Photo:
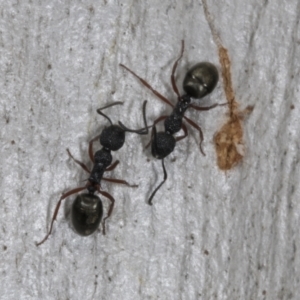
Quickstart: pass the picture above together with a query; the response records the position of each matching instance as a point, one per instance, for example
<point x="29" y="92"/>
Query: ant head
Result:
<point x="200" y="80"/>
<point x="87" y="211"/>
<point x="162" y="145"/>
<point x="112" y="137"/>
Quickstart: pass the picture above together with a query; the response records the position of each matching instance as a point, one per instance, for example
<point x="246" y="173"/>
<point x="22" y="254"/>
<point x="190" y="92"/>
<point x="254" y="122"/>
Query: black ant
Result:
<point x="87" y="209"/>
<point x="199" y="81"/>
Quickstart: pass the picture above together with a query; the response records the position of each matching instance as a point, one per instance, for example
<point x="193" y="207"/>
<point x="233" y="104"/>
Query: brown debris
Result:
<point x="228" y="140"/>
<point x="229" y="144"/>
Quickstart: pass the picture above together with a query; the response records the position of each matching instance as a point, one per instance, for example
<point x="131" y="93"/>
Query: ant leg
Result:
<point x="175" y="89"/>
<point x="161" y="118"/>
<point x="91" y="154"/>
<point x="165" y="178"/>
<point x="197" y="127"/>
<point x="206" y="107"/>
<point x="147" y="85"/>
<point x="114" y="180"/>
<point x="82" y="165"/>
<point x="111" y="207"/>
<point x="109" y="105"/>
<point x="64" y="196"/>
<point x="119" y="181"/>
<point x="112" y="166"/>
<point x="155" y="122"/>
<point x="192" y="123"/>
<point x="184" y="128"/>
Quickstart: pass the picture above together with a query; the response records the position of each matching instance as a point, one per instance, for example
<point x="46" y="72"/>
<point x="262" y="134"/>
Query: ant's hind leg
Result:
<point x="111" y="207"/>
<point x="184" y="128"/>
<point x="64" y="196"/>
<point x="114" y="180"/>
<point x="119" y="181"/>
<point x="197" y="127"/>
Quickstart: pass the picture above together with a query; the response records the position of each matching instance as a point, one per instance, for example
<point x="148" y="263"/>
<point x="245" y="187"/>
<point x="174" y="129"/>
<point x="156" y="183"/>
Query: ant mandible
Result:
<point x="199" y="81"/>
<point x="87" y="209"/>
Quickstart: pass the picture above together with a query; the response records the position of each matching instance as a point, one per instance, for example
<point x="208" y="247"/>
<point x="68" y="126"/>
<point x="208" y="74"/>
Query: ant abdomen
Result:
<point x="87" y="212"/>
<point x="162" y="145"/>
<point x="200" y="80"/>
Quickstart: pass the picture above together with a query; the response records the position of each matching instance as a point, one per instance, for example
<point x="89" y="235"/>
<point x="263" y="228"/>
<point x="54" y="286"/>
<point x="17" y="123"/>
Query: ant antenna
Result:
<point x="109" y="105"/>
<point x="138" y="131"/>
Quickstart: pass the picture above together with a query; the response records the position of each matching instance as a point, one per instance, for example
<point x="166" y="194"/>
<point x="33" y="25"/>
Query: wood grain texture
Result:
<point x="210" y="234"/>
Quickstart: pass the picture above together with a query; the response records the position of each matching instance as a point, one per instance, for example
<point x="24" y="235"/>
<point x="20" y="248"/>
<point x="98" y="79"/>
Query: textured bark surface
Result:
<point x="210" y="234"/>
